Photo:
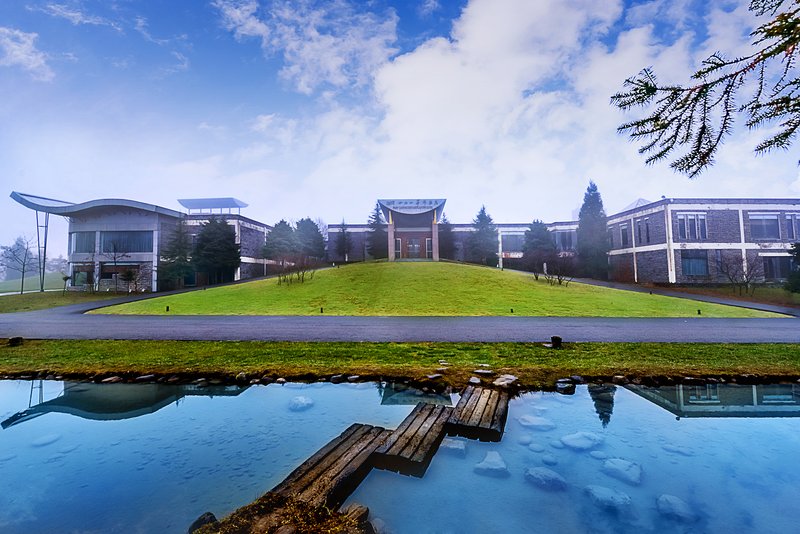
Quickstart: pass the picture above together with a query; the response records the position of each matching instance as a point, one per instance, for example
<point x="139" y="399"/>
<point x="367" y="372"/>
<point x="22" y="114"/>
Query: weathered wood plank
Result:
<point x="491" y="408"/>
<point x="411" y="431"/>
<point x="500" y="414"/>
<point x="297" y="479"/>
<point x="423" y="429"/>
<point x="469" y="407"/>
<point x="480" y="407"/>
<point x="462" y="403"/>
<point x="353" y="461"/>
<point x="430" y="443"/>
<point x="398" y="433"/>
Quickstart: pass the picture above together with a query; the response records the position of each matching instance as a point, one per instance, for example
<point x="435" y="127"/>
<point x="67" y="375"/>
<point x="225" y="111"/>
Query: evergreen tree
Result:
<point x="592" y="235"/>
<point x="447" y="244"/>
<point x="377" y="237"/>
<point x="482" y="244"/>
<point x="176" y="262"/>
<point x="793" y="283"/>
<point x="309" y="239"/>
<point x="699" y="115"/>
<point x="539" y="246"/>
<point x="216" y="252"/>
<point x="344" y="243"/>
<point x="281" y="242"/>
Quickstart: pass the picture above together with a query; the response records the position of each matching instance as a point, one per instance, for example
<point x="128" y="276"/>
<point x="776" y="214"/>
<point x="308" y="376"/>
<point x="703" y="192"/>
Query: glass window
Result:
<point x="124" y="242"/>
<point x="792" y="226"/>
<point x="397" y="247"/>
<point x="692" y="226"/>
<point x="610" y="238"/>
<point x="764" y="227"/>
<point x="694" y="262"/>
<point x="429" y="247"/>
<point x="777" y="267"/>
<point x="623" y="233"/>
<point x="83" y="242"/>
<point x="643" y="230"/>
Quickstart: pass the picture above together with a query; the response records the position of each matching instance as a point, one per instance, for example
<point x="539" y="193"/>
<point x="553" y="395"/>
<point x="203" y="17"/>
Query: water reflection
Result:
<point x="395" y="393"/>
<point x="603" y="398"/>
<point x="724" y="400"/>
<point x="111" y="402"/>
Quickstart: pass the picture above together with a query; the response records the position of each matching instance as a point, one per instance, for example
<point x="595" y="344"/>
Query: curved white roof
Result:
<point x="414" y="206"/>
<point x="67" y="209"/>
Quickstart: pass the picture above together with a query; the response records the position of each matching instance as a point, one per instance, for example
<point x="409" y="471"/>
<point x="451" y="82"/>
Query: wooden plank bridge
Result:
<point x="329" y="476"/>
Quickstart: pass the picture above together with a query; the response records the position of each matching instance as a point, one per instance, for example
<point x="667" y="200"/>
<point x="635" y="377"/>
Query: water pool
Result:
<point x="625" y="460"/>
<point x="152" y="458"/>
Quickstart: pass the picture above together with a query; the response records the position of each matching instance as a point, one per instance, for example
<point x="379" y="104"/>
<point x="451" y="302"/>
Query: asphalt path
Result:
<point x="69" y="322"/>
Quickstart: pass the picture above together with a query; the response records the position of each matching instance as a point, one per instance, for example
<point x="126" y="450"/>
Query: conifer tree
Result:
<point x="344" y="243"/>
<point x="377" y="237"/>
<point x="447" y="245"/>
<point x="176" y="257"/>
<point x="793" y="283"/>
<point x="309" y="239"/>
<point x="699" y="115"/>
<point x="280" y="243"/>
<point x="539" y="246"/>
<point x="592" y="235"/>
<point x="482" y="243"/>
<point x="216" y="252"/>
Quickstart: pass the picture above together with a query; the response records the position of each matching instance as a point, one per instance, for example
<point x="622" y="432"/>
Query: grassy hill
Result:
<point x="51" y="281"/>
<point x="424" y="289"/>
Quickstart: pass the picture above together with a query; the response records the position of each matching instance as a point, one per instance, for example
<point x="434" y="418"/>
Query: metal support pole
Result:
<point x="41" y="245"/>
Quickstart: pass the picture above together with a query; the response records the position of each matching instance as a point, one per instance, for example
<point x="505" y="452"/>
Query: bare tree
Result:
<point x="18" y="257"/>
<point x="115" y="255"/>
<point x="559" y="269"/>
<point x="742" y="273"/>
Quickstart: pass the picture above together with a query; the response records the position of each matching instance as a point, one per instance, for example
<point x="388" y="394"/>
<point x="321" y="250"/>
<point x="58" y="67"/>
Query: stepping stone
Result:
<point x="623" y="470"/>
<point x="492" y="466"/>
<point x="536" y="447"/>
<point x="546" y="479"/>
<point x="456" y="447"/>
<point x="549" y="459"/>
<point x="474" y="380"/>
<point x="608" y="499"/>
<point x="505" y="380"/>
<point x="673" y="507"/>
<point x="534" y="422"/>
<point x="483" y="372"/>
<point x="300" y="404"/>
<point x="582" y="441"/>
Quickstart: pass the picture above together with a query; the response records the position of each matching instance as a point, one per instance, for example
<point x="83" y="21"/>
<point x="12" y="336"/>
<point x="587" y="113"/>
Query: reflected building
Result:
<point x="112" y="402"/>
<point x="401" y="394"/>
<point x="725" y="400"/>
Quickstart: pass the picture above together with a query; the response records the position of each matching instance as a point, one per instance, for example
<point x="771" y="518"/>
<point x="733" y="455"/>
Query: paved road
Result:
<point x="70" y="323"/>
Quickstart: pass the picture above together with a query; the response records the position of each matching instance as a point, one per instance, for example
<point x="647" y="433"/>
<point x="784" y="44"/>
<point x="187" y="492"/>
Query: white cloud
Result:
<point x="18" y="48"/>
<point x="75" y="16"/>
<point x="328" y="44"/>
<point x="428" y="7"/>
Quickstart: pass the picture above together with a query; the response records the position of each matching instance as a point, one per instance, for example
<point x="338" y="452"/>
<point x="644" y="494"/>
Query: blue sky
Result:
<point x="316" y="109"/>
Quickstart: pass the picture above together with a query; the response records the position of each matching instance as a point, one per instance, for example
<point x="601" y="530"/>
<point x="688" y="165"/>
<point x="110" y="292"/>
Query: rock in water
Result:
<point x="545" y="478"/>
<point x="525" y="439"/>
<point x="492" y="465"/>
<point x="45" y="440"/>
<point x="536" y="423"/>
<point x="206" y="519"/>
<point x="608" y="499"/>
<point x="582" y="441"/>
<point x="674" y="449"/>
<point x="623" y="470"/>
<point x="598" y="455"/>
<point x="536" y="447"/>
<point x="455" y="447"/>
<point x="676" y="508"/>
<point x="300" y="404"/>
<point x="549" y="459"/>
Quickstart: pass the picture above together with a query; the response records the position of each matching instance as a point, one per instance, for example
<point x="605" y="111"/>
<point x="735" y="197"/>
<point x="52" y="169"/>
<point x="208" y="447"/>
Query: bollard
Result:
<point x="698" y="312"/>
<point x="167" y="308"/>
<point x="555" y="342"/>
<point x="512" y="310"/>
<point x="320" y="310"/>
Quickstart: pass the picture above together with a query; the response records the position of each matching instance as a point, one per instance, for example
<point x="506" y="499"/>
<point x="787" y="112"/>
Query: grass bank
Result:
<point x="49" y="299"/>
<point x="535" y="365"/>
<point x="424" y="289"/>
<point x="51" y="281"/>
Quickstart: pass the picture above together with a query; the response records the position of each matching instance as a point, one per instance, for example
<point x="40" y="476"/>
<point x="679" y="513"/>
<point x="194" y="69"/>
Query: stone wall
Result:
<point x="652" y="266"/>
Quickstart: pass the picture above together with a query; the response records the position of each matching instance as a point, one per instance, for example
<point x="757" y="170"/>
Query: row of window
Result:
<point x="695" y="263"/>
<point x="693" y="227"/>
<point x="112" y="242"/>
<point x="413" y="248"/>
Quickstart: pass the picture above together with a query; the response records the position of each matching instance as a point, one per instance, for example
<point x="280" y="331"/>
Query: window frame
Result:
<point x="763" y="217"/>
<point x="692" y="226"/>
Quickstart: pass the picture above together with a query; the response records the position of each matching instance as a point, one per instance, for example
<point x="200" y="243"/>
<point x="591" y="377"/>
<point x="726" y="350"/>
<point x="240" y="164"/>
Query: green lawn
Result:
<point x="424" y="289"/>
<point x="49" y="299"/>
<point x="51" y="281"/>
<point x="535" y="365"/>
